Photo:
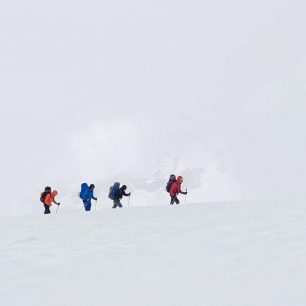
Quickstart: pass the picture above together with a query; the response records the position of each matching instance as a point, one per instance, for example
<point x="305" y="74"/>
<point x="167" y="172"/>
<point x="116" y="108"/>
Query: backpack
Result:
<point x="84" y="189"/>
<point x="43" y="196"/>
<point x="172" y="179"/>
<point x="114" y="192"/>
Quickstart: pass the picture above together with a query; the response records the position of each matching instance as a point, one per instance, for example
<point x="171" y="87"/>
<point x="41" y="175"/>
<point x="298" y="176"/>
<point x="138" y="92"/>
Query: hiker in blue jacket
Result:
<point x="87" y="194"/>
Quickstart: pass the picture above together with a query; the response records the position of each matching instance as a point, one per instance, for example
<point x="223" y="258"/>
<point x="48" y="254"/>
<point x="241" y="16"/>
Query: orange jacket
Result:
<point x="50" y="198"/>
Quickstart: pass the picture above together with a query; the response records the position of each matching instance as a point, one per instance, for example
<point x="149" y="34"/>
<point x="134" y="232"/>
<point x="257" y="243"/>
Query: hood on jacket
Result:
<point x="54" y="193"/>
<point x="180" y="179"/>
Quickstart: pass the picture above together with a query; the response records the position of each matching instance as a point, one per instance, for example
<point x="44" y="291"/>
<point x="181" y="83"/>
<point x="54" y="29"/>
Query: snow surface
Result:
<point x="229" y="254"/>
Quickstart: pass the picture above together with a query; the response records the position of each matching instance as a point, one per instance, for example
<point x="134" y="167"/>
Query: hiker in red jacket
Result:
<point x="176" y="189"/>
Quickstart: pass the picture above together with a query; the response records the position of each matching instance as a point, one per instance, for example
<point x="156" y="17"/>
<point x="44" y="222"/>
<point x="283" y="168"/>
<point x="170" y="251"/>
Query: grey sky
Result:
<point x="222" y="83"/>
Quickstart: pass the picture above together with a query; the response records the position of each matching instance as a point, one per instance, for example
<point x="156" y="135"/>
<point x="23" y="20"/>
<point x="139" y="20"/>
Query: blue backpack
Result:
<point x="84" y="190"/>
<point x="114" y="192"/>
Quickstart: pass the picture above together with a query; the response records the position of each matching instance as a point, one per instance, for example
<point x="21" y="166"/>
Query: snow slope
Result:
<point x="222" y="254"/>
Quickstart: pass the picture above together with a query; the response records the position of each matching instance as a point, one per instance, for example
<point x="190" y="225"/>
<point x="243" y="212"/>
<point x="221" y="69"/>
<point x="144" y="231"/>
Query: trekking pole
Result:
<point x="96" y="205"/>
<point x="129" y="200"/>
<point x="185" y="197"/>
<point x="57" y="208"/>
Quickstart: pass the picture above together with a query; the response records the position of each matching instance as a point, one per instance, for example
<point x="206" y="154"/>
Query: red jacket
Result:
<point x="176" y="187"/>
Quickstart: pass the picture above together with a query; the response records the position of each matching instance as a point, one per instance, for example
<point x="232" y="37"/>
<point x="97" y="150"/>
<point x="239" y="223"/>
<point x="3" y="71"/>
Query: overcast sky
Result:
<point x="98" y="90"/>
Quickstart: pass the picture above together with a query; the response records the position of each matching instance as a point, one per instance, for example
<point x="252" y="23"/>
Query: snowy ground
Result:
<point x="229" y="254"/>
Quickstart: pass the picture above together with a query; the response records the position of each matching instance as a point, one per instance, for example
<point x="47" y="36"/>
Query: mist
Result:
<point x="132" y="91"/>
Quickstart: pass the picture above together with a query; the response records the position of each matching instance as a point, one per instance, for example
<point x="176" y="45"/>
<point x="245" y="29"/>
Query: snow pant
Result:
<point x="87" y="205"/>
<point x="47" y="209"/>
<point x="174" y="200"/>
<point x="117" y="203"/>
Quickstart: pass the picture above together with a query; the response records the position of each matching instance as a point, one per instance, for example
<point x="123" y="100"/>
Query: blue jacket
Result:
<point x="89" y="195"/>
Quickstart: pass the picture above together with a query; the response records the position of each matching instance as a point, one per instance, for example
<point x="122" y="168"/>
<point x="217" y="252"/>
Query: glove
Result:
<point x="129" y="194"/>
<point x="96" y="199"/>
<point x="58" y="204"/>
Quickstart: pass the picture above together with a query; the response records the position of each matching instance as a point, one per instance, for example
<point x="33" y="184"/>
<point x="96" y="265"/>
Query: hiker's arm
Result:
<point x="54" y="201"/>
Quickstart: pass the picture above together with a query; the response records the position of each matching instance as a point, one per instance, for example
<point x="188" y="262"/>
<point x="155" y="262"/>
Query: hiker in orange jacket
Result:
<point x="50" y="198"/>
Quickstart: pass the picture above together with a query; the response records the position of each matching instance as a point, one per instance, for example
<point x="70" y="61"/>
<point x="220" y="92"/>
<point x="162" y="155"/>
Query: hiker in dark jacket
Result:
<point x="118" y="194"/>
<point x="123" y="193"/>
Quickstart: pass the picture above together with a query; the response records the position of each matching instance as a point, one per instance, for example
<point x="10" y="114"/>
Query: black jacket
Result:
<point x="123" y="193"/>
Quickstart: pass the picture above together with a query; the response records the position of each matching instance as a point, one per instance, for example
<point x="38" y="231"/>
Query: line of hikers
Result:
<point x="116" y="193"/>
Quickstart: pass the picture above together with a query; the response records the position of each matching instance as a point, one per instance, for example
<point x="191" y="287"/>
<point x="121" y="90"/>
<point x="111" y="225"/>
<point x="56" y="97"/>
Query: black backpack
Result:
<point x="43" y="196"/>
<point x="172" y="179"/>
